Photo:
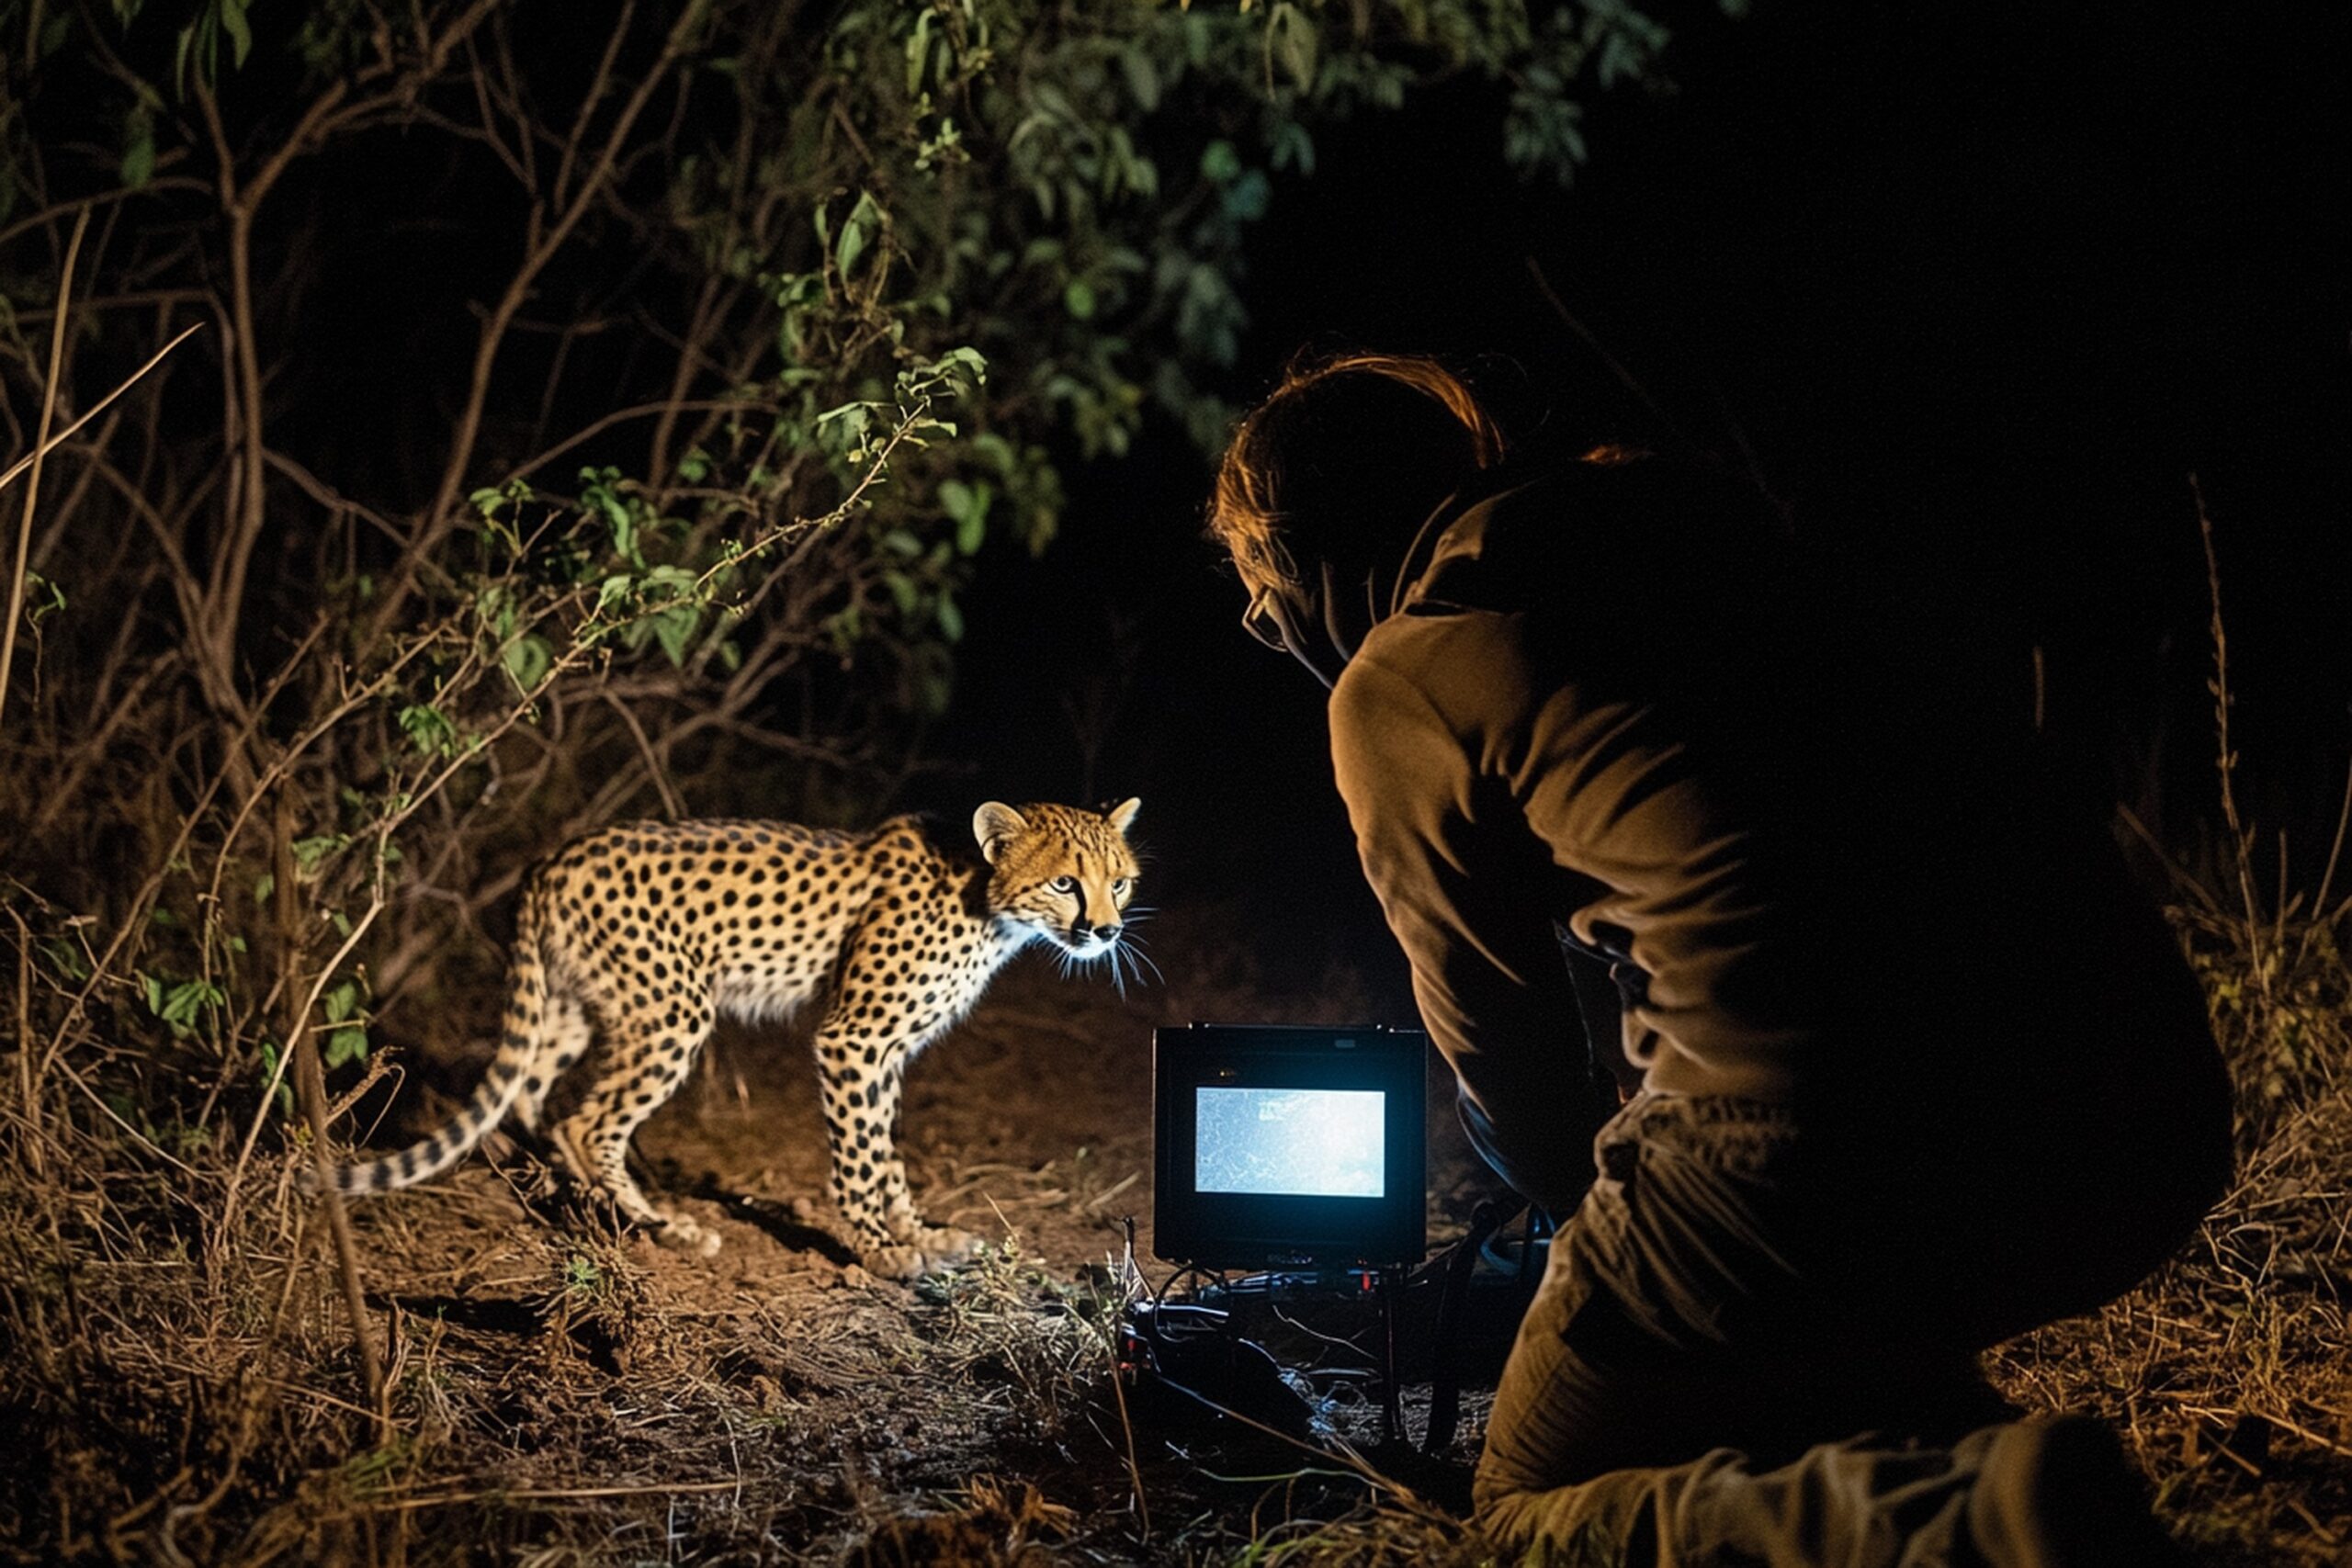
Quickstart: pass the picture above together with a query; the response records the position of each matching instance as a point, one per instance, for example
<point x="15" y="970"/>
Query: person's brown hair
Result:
<point x="1344" y="452"/>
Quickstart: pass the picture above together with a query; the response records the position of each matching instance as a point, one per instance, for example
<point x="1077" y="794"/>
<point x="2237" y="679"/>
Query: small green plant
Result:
<point x="582" y="1279"/>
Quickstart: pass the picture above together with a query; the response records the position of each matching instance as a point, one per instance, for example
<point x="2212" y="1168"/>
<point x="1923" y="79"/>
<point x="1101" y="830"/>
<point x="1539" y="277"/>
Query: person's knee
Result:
<point x="1498" y="1495"/>
<point x="1613" y="1516"/>
<point x="1497" y="1508"/>
<point x="1516" y="1519"/>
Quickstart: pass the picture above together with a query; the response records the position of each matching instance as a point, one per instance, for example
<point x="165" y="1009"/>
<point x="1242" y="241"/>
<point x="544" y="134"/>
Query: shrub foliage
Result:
<point x="593" y="409"/>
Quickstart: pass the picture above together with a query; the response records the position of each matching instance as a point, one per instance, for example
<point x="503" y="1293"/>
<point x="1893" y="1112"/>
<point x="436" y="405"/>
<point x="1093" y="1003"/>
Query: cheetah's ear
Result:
<point x="1123" y="813"/>
<point x="993" y="824"/>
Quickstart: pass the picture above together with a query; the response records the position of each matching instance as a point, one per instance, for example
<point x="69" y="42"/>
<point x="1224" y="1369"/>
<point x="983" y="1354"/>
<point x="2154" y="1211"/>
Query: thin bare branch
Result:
<point x="40" y="449"/>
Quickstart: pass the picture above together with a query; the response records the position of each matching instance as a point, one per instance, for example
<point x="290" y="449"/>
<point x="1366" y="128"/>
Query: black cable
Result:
<point x="1159" y="1295"/>
<point x="1445" y="1375"/>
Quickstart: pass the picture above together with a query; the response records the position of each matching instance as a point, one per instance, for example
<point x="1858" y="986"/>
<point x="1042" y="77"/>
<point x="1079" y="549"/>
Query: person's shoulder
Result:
<point x="1452" y="669"/>
<point x="1421" y="642"/>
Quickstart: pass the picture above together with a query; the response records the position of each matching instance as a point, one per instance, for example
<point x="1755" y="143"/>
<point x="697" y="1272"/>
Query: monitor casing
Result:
<point x="1249" y="1230"/>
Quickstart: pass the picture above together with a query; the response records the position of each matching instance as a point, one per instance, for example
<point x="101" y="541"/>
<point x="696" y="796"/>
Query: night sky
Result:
<point x="1975" y="287"/>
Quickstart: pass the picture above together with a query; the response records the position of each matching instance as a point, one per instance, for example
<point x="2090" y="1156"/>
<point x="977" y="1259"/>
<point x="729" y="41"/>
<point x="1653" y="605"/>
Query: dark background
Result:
<point x="1973" y="289"/>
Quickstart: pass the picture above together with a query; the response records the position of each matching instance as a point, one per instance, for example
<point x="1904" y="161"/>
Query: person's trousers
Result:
<point x="1737" y="1302"/>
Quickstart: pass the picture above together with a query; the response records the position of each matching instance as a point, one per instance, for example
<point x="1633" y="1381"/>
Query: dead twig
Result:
<point x="555" y="1493"/>
<point x="310" y="1088"/>
<point x="2240" y="842"/>
<point x="41" y="450"/>
<point x="8" y="476"/>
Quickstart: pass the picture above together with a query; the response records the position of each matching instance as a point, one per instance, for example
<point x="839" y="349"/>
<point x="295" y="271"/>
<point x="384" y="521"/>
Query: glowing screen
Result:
<point x="1303" y="1142"/>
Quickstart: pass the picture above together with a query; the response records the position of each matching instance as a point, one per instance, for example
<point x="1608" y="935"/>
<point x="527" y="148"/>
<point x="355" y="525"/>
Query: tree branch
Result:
<point x="441" y="514"/>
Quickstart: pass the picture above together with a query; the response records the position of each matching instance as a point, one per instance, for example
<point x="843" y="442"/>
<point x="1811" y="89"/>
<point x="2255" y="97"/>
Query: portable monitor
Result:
<point x="1284" y="1147"/>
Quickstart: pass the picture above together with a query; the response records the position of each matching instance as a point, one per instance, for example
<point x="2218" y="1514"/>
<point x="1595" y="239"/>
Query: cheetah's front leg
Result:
<point x="906" y="1224"/>
<point x="869" y="1181"/>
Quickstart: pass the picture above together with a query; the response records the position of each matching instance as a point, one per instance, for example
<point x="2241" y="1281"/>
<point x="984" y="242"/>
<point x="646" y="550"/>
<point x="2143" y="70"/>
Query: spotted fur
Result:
<point x="638" y="938"/>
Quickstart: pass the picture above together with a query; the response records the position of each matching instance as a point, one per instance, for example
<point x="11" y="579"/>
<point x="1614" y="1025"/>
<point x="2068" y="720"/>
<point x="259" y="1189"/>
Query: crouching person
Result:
<point x="1906" y="1066"/>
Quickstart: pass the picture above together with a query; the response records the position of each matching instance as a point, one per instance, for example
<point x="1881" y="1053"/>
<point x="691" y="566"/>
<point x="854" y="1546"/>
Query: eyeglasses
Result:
<point x="1264" y="622"/>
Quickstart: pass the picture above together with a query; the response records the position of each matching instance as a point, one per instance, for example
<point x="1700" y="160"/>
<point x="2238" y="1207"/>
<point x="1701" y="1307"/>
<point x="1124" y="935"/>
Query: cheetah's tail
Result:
<point x="520" y="1042"/>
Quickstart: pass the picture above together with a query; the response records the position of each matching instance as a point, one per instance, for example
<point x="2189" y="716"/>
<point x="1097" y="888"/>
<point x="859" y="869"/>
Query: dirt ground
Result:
<point x="563" y="1394"/>
<point x="593" y="1397"/>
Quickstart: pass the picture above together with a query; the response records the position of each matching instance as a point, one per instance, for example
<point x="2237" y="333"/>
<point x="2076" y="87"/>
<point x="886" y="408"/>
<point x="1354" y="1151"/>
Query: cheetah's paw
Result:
<point x="894" y="1262"/>
<point x="934" y="1250"/>
<point x="683" y="1234"/>
<point x="945" y="1245"/>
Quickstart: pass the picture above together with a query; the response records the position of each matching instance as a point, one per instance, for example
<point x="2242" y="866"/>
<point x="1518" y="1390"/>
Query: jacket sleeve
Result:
<point x="1461" y="880"/>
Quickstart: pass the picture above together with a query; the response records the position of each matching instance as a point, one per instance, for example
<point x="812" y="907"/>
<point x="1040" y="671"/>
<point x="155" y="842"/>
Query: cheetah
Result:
<point x="636" y="938"/>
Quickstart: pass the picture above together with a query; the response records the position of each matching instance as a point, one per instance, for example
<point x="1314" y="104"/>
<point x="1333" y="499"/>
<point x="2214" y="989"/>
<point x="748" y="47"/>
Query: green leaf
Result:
<point x="918" y="54"/>
<point x="1078" y="298"/>
<point x="285" y="1096"/>
<point x="968" y="505"/>
<point x="1142" y="79"/>
<point x="344" y="1045"/>
<point x="950" y="619"/>
<point x="139" y="158"/>
<point x="342" y="1001"/>
<point x="528" y="659"/>
<point x="1290" y="34"/>
<point x="1245" y="199"/>
<point x="309" y="853"/>
<point x="675" y="629"/>
<point x="864" y="221"/>
<point x="184" y="1002"/>
<point x="1293" y="147"/>
<point x="240" y="30"/>
<point x="902" y="591"/>
<point x="1219" y="162"/>
<point x="429" y="729"/>
<point x="42" y="598"/>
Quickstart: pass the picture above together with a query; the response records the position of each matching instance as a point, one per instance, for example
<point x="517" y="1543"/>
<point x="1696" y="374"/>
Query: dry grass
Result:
<point x="187" y="1378"/>
<point x="2229" y="1373"/>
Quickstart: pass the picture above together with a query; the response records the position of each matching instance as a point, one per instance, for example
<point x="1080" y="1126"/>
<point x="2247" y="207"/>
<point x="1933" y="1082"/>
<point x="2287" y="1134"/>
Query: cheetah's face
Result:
<point x="1064" y="873"/>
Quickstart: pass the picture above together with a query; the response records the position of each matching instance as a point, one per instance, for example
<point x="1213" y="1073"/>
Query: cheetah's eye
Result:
<point x="1119" y="885"/>
<point x="1064" y="885"/>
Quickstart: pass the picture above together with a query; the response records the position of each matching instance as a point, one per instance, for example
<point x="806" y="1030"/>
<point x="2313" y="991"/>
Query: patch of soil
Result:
<point x="580" y="1391"/>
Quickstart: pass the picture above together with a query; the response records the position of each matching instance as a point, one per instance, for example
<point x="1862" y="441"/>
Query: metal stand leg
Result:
<point x="1392" y="1413"/>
